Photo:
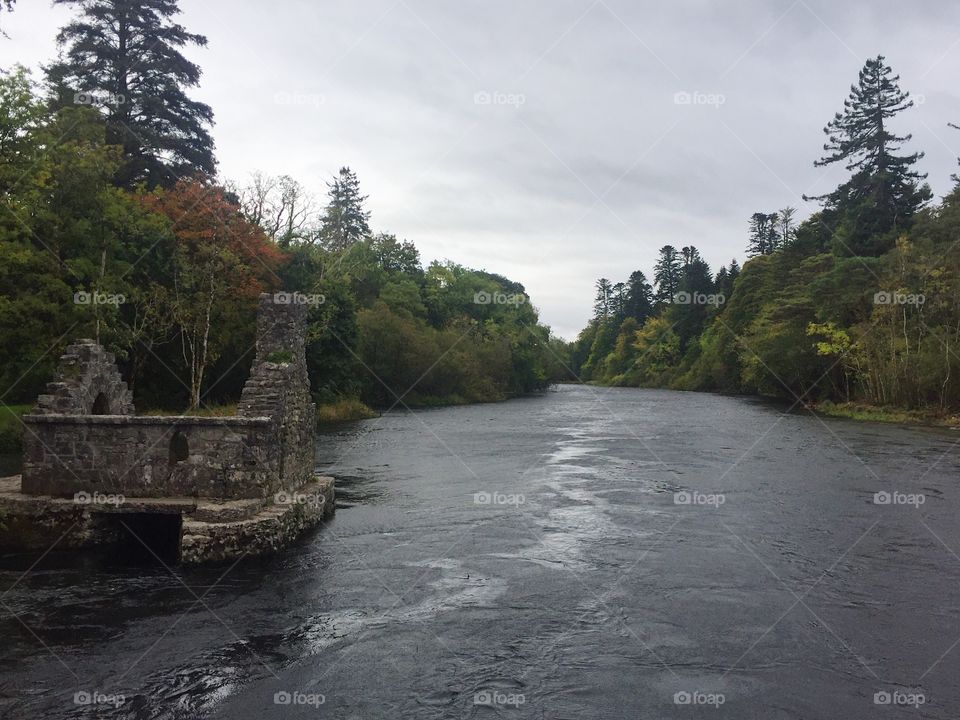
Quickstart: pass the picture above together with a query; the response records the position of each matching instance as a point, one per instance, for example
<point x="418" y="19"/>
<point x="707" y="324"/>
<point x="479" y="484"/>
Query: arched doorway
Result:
<point x="101" y="406"/>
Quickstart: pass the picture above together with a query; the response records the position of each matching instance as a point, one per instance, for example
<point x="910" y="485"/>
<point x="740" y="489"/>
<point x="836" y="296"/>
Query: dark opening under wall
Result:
<point x="147" y="538"/>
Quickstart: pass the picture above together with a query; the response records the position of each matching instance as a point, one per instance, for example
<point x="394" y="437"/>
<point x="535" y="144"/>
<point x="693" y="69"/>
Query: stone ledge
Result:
<point x="172" y="420"/>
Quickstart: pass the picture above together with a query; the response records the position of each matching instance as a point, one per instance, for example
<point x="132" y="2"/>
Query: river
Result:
<point x="588" y="553"/>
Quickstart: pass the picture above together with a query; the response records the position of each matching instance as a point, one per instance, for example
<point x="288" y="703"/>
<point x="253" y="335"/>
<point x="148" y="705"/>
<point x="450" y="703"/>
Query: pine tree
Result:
<point x="884" y="191"/>
<point x="124" y="56"/>
<point x="764" y="234"/>
<point x="666" y="273"/>
<point x="601" y="303"/>
<point x="639" y="302"/>
<point x="786" y="225"/>
<point x="344" y="222"/>
<point x="734" y="272"/>
<point x="618" y="301"/>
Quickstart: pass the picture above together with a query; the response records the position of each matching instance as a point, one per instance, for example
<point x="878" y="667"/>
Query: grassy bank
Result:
<point x="872" y="413"/>
<point x="343" y="410"/>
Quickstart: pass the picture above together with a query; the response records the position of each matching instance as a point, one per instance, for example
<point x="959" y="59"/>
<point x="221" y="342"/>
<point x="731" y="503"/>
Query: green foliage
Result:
<point x="123" y="56"/>
<point x="857" y="306"/>
<point x="280" y="357"/>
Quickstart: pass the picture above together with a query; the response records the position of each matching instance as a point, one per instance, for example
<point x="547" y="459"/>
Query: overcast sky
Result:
<point x="554" y="141"/>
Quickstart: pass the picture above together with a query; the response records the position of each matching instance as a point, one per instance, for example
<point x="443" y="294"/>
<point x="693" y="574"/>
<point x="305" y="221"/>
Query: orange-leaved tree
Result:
<point x="220" y="263"/>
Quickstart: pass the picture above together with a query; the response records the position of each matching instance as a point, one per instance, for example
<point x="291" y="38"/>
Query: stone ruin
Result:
<point x="199" y="488"/>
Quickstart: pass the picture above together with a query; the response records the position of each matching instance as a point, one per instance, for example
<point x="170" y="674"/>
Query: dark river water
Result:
<point x="591" y="553"/>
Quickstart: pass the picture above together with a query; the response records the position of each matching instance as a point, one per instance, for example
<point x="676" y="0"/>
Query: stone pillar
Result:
<point x="278" y="386"/>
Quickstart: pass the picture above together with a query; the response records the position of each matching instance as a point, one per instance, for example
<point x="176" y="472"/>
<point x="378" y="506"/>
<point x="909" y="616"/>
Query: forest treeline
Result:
<point x="115" y="226"/>
<point x="858" y="303"/>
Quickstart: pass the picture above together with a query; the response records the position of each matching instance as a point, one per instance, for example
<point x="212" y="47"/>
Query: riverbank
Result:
<point x="873" y="413"/>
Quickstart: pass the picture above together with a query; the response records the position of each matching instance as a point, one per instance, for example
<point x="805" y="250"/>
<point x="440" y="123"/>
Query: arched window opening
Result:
<point x="101" y="406"/>
<point x="179" y="448"/>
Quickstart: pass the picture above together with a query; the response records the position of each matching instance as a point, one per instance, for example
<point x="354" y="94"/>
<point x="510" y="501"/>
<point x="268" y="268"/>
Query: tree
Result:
<point x="345" y="222"/>
<point x="601" y="302"/>
<point x="786" y="225"/>
<point x="639" y="300"/>
<point x="221" y="264"/>
<point x="618" y="301"/>
<point x="666" y="274"/>
<point x="764" y="234"/>
<point x="884" y="192"/>
<point x="124" y="57"/>
<point x="281" y="206"/>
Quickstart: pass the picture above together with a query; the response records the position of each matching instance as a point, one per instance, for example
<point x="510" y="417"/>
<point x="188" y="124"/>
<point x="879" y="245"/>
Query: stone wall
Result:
<point x="151" y="456"/>
<point x="87" y="383"/>
<point x="83" y="435"/>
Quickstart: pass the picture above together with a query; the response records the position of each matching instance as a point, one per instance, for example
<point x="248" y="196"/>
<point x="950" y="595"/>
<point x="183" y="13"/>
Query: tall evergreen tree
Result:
<point x="639" y="302"/>
<point x="666" y="273"/>
<point x="618" y="301"/>
<point x="601" y="302"/>
<point x="764" y="234"/>
<point x="786" y="225"/>
<point x="124" y="56"/>
<point x="884" y="191"/>
<point x="734" y="272"/>
<point x="345" y="222"/>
